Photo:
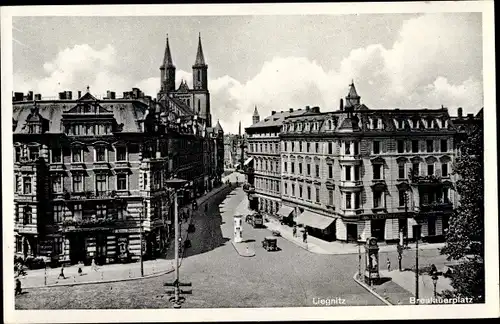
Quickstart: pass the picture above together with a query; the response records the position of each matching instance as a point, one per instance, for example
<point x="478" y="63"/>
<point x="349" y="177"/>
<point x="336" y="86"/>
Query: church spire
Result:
<point x="352" y="99"/>
<point x="200" y="59"/>
<point x="255" y="117"/>
<point x="167" y="58"/>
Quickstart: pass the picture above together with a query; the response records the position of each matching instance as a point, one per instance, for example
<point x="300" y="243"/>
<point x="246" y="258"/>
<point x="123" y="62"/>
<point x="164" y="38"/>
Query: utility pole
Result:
<point x="359" y="258"/>
<point x="416" y="263"/>
<point x="140" y="229"/>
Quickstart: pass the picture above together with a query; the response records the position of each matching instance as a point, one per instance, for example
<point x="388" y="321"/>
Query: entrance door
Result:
<point x="431" y="226"/>
<point x="101" y="248"/>
<point x="352" y="232"/>
<point x="77" y="248"/>
<point x="378" y="229"/>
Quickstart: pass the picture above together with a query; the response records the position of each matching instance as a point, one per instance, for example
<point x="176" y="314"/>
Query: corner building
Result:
<point x="357" y="172"/>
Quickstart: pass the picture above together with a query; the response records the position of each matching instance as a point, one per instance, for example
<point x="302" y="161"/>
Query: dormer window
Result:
<point x="375" y="123"/>
<point x="400" y="123"/>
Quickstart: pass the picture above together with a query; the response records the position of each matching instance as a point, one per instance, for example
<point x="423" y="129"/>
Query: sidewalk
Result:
<point x="406" y="279"/>
<point x="113" y="272"/>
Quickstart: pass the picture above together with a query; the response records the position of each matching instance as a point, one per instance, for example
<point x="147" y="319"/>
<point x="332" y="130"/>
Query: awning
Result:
<point x="248" y="161"/>
<point x="285" y="211"/>
<point x="412" y="222"/>
<point x="311" y="219"/>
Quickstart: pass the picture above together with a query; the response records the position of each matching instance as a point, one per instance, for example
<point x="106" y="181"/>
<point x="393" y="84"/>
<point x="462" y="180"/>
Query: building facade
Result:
<point x="90" y="174"/>
<point x="357" y="172"/>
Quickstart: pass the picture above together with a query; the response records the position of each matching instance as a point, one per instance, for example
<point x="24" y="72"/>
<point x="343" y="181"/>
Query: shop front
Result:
<point x="317" y="225"/>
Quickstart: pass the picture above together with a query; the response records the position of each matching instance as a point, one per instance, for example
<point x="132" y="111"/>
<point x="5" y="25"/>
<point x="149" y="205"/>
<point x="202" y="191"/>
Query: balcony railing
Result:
<point x="428" y="179"/>
<point x="436" y="207"/>
<point x="89" y="195"/>
<point x="88" y="224"/>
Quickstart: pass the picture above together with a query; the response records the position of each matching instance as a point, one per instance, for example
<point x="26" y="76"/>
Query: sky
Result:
<point x="272" y="62"/>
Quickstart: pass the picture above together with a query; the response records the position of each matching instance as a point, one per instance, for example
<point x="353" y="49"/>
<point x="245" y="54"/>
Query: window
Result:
<point x="400" y="123"/>
<point x="286" y="146"/>
<point x="415" y="168"/>
<point x="300" y="167"/>
<point x="145" y="180"/>
<point x="121" y="153"/>
<point x="34" y="153"/>
<point x="431" y="225"/>
<point x="330" y="148"/>
<point x="308" y="169"/>
<point x="293" y="167"/>
<point x="121" y="181"/>
<point x="277" y="148"/>
<point x="27" y="185"/>
<point x="286" y="188"/>
<point x="444" y="169"/>
<point x="308" y="147"/>
<point x="375" y="123"/>
<point x="101" y="211"/>
<point x="377" y="199"/>
<point x="17" y="183"/>
<point x="300" y="191"/>
<point x="19" y="244"/>
<point x="401" y="146"/>
<point x="293" y="146"/>
<point x="317" y="195"/>
<point x="77" y="211"/>
<point x="356" y="148"/>
<point x="56" y="155"/>
<point x="57" y="183"/>
<point x="27" y="215"/>
<point x="330" y="197"/>
<point x="199" y="103"/>
<point x="376" y="171"/>
<point x="308" y="193"/>
<point x="347" y="147"/>
<point x="348" y="200"/>
<point x="357" y="200"/>
<point x="58" y="245"/>
<point x="77" y="183"/>
<point x="401" y="171"/>
<point x="199" y="75"/>
<point x="444" y="145"/>
<point x="316" y="147"/>
<point x="260" y="147"/>
<point x="414" y="146"/>
<point x="58" y="213"/>
<point x="300" y="146"/>
<point x="17" y="150"/>
<point x="402" y="198"/>
<point x="317" y="171"/>
<point x="330" y="171"/>
<point x="446" y="197"/>
<point x="285" y="166"/>
<point x="376" y="147"/>
<point x="76" y="155"/>
<point x="293" y="190"/>
<point x="430" y="169"/>
<point x="430" y="146"/>
<point x="347" y="173"/>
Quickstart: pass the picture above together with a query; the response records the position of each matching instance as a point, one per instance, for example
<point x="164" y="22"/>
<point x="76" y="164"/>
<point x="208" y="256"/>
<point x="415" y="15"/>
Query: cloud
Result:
<point x="428" y="65"/>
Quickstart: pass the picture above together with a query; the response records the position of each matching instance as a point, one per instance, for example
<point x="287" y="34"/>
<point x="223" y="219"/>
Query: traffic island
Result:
<point x="243" y="249"/>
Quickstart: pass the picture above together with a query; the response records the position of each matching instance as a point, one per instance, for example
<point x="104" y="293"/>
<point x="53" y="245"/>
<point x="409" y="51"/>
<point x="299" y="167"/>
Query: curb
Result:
<point x="362" y="284"/>
<point x="251" y="253"/>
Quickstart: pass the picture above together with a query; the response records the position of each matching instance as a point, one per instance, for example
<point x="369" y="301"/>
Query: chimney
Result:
<point x="341" y="104"/>
<point x="108" y="94"/>
<point x="273" y="112"/>
<point x="113" y="95"/>
<point x="315" y="109"/>
<point x="38" y="96"/>
<point x="460" y="112"/>
<point x="470" y="116"/>
<point x="291" y="109"/>
<point x="308" y="108"/>
<point x="30" y="96"/>
<point x="69" y="95"/>
<point x="62" y="95"/>
<point x="79" y="94"/>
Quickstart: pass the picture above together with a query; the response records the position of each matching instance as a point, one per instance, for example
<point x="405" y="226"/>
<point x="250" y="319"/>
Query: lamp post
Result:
<point x="176" y="184"/>
<point x="359" y="257"/>
<point x="140" y="231"/>
<point x="434" y="281"/>
<point x="417" y="235"/>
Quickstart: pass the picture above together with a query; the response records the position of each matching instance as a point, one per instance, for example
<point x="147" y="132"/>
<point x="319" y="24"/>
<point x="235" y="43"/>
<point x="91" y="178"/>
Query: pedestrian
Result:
<point x="388" y="265"/>
<point x="93" y="266"/>
<point x="304" y="236"/>
<point x="80" y="271"/>
<point x="294" y="230"/>
<point x="61" y="274"/>
<point x="18" y="290"/>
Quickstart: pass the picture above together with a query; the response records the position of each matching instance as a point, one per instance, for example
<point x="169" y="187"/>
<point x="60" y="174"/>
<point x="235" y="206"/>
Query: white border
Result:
<point x="353" y="312"/>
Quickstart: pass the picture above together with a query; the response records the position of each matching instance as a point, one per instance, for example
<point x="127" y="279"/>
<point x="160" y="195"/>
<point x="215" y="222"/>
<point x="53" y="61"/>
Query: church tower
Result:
<point x="201" y="102"/>
<point x="352" y="99"/>
<point x="167" y="71"/>
<point x="255" y="117"/>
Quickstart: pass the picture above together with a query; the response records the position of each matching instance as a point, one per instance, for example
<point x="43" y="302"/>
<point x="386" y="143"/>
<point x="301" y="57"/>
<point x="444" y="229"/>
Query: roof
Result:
<point x="352" y="91"/>
<point x="126" y="112"/>
<point x="255" y="112"/>
<point x="218" y="127"/>
<point x="200" y="59"/>
<point x="277" y="119"/>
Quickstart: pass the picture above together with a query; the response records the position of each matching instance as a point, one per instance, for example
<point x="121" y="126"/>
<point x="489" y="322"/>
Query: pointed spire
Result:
<point x="352" y="91"/>
<point x="255" y="112"/>
<point x="200" y="59"/>
<point x="218" y="127"/>
<point x="167" y="58"/>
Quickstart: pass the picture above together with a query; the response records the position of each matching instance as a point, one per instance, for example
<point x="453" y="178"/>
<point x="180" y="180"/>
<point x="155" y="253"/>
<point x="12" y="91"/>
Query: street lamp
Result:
<point x="176" y="184"/>
<point x="435" y="281"/>
<point x="359" y="257"/>
<point x="140" y="231"/>
<point x="417" y="235"/>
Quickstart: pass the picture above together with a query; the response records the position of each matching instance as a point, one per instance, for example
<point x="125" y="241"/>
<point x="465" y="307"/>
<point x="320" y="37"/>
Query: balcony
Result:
<point x="102" y="165"/>
<point x="425" y="180"/>
<point x="351" y="185"/>
<point x="89" y="195"/>
<point x="351" y="214"/>
<point x="436" y="207"/>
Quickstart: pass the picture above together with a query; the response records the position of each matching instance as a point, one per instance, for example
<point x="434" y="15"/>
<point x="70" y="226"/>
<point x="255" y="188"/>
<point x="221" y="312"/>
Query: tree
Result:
<point x="465" y="236"/>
